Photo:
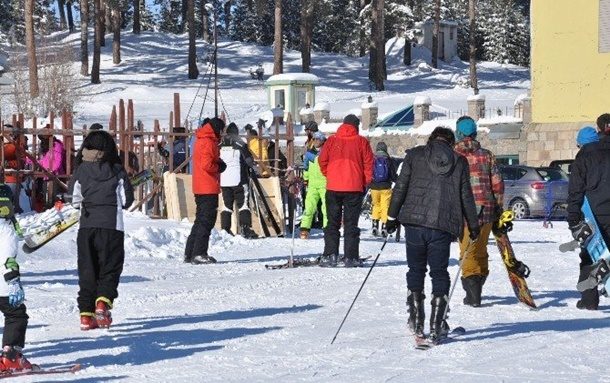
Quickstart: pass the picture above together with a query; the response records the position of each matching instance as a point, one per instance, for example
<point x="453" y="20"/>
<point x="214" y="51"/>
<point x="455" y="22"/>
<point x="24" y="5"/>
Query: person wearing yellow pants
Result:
<point x="316" y="186"/>
<point x="384" y="174"/>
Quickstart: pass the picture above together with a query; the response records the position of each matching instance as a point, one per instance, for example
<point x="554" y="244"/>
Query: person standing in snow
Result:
<point x="316" y="189"/>
<point x="207" y="167"/>
<point x="101" y="189"/>
<point x="347" y="163"/>
<point x="488" y="190"/>
<point x="311" y="127"/>
<point x="588" y="178"/>
<point x="431" y="198"/>
<point x="234" y="182"/>
<point x="384" y="174"/>
<point x="178" y="151"/>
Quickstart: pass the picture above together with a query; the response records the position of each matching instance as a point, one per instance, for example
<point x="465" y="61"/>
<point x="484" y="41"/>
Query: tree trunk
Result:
<point x="136" y="17"/>
<point x="204" y="23"/>
<point x="31" y="47"/>
<point x="435" y="32"/>
<point x="363" y="42"/>
<point x="98" y="15"/>
<point x="103" y="20"/>
<point x="116" y="27"/>
<point x="474" y="83"/>
<point x="190" y="15"/>
<point x="61" y="6"/>
<point x="84" y="48"/>
<point x="381" y="41"/>
<point x="307" y="11"/>
<point x="278" y="43"/>
<point x="407" y="59"/>
<point x="376" y="49"/>
<point x="184" y="10"/>
<point x="227" y="10"/>
<point x="70" y="16"/>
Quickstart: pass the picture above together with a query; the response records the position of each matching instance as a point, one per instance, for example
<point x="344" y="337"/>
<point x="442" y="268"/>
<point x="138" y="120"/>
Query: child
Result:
<point x="11" y="291"/>
<point x="101" y="189"/>
<point x="384" y="173"/>
<point x="316" y="185"/>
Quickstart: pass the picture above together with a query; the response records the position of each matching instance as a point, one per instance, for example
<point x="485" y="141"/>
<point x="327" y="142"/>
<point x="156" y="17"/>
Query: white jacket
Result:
<point x="9" y="241"/>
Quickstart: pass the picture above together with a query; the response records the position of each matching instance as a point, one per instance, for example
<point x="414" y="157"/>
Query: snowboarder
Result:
<point x="234" y="182"/>
<point x="488" y="190"/>
<point x="347" y="162"/>
<point x="207" y="167"/>
<point x="11" y="291"/>
<point x="101" y="189"/>
<point x="590" y="169"/>
<point x="431" y="198"/>
<point x="316" y="186"/>
<point x="384" y="174"/>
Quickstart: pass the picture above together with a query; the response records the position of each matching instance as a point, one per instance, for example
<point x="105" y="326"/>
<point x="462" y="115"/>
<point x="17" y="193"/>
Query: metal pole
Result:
<point x="215" y="60"/>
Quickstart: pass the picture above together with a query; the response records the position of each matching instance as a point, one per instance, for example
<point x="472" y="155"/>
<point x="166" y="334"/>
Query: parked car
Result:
<point x="534" y="192"/>
<point x="565" y="165"/>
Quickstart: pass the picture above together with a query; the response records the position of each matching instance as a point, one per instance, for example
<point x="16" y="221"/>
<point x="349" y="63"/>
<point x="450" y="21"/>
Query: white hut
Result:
<point x="291" y="92"/>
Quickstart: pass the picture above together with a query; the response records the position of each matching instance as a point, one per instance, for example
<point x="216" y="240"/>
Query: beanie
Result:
<point x="351" y="120"/>
<point x="232" y="129"/>
<point x="587" y="135"/>
<point x="96" y="126"/>
<point x="217" y="125"/>
<point x="381" y="147"/>
<point x="312" y="126"/>
<point x="465" y="127"/>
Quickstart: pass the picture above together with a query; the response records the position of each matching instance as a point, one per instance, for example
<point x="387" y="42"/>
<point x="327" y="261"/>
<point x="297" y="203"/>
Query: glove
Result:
<point x="520" y="269"/>
<point x="221" y="165"/>
<point x="16" y="296"/>
<point x="581" y="232"/>
<point x="391" y="225"/>
<point x="474" y="234"/>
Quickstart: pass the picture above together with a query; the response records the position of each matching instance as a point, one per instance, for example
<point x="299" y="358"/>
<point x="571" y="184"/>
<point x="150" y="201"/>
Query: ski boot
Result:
<point x="13" y="359"/>
<point x="103" y="317"/>
<point x="203" y="259"/>
<point x="473" y="285"/>
<point x="304" y="234"/>
<point x="417" y="314"/>
<point x="352" y="262"/>
<point x="328" y="260"/>
<point x="384" y="232"/>
<point x="438" y="325"/>
<point x="375" y="228"/>
<point x="589" y="299"/>
<point x="88" y="322"/>
<point x="247" y="232"/>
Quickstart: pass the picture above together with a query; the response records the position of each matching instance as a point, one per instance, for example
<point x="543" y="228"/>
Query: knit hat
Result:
<point x="587" y="135"/>
<point x="232" y="130"/>
<point x="352" y="120"/>
<point x="312" y="126"/>
<point x="319" y="136"/>
<point x="465" y="127"/>
<point x="96" y="126"/>
<point x="218" y="125"/>
<point x="381" y="147"/>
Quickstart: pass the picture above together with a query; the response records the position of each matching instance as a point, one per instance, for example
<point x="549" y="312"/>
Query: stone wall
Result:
<point x="548" y="142"/>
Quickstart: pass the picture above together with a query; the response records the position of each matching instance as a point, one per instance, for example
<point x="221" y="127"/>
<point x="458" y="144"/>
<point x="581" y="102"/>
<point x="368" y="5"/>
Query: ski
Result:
<point x="305" y="262"/>
<point x="49" y="225"/>
<point x="569" y="246"/>
<point x="142" y="177"/>
<point x="424" y="343"/>
<point x="37" y="370"/>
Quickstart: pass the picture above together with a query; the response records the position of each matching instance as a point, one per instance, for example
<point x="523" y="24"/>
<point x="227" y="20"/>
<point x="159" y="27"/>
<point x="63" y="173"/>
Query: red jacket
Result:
<point x="347" y="161"/>
<point x="10" y="161"/>
<point x="206" y="172"/>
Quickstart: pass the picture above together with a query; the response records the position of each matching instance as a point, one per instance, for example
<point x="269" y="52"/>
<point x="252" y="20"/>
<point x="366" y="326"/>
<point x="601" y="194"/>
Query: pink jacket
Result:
<point x="53" y="160"/>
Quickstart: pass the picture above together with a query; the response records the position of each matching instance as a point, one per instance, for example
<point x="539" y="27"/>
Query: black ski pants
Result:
<point x="237" y="195"/>
<point x="15" y="323"/>
<point x="346" y="205"/>
<point x="205" y="219"/>
<point x="101" y="253"/>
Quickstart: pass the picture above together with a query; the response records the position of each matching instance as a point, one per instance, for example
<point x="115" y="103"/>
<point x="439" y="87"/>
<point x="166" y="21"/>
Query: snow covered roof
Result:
<point x="321" y="106"/>
<point x="422" y="100"/>
<point x="291" y="78"/>
<point x="476" y="97"/>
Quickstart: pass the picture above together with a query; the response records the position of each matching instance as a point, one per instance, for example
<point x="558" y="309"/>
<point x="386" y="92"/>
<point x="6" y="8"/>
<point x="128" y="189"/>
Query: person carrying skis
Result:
<point x="488" y="190"/>
<point x="384" y="174"/>
<point x="101" y="189"/>
<point x="347" y="163"/>
<point x="207" y="166"/>
<point x="431" y="198"/>
<point x="588" y="178"/>
<point x="11" y="291"/>
<point x="234" y="182"/>
<point x="316" y="189"/>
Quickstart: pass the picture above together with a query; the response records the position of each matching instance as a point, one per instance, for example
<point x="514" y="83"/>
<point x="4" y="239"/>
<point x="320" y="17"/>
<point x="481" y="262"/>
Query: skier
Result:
<point x="431" y="198"/>
<point x="11" y="291"/>
<point x="590" y="170"/>
<point x="316" y="189"/>
<point x="488" y="190"/>
<point x="384" y="174"/>
<point x="207" y="167"/>
<point x="101" y="189"/>
<point x="347" y="163"/>
<point x="258" y="149"/>
<point x="234" y="182"/>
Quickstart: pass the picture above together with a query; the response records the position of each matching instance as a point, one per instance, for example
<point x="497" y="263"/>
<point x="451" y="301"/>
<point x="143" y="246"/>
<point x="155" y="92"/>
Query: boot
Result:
<point x="225" y="221"/>
<point x="304" y="234"/>
<point x="103" y="317"/>
<point x="417" y="314"/>
<point x="353" y="262"/>
<point x="473" y="285"/>
<point x="589" y="299"/>
<point x="384" y="233"/>
<point x="328" y="260"/>
<point x="247" y="232"/>
<point x="375" y="228"/>
<point x="13" y="359"/>
<point x="203" y="259"/>
<point x="438" y="326"/>
<point x="87" y="322"/>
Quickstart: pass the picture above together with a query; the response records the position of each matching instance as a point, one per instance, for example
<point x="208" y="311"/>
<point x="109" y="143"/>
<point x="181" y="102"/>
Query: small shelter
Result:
<point x="403" y="119"/>
<point x="291" y="91"/>
<point x="447" y="38"/>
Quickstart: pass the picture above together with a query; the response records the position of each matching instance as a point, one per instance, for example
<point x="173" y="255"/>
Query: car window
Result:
<point x="520" y="173"/>
<point x="550" y="174"/>
<point x="508" y="174"/>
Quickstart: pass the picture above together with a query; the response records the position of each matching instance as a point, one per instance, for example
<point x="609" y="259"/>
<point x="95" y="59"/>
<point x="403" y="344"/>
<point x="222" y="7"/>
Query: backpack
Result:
<point x="381" y="172"/>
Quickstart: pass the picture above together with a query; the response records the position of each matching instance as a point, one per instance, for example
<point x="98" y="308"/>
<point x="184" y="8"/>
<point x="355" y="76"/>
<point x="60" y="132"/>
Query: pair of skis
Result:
<point x="305" y="262"/>
<point x="38" y="370"/>
<point x="424" y="343"/>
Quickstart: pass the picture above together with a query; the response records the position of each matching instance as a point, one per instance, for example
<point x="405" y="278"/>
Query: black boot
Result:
<point x="417" y="314"/>
<point x="473" y="285"/>
<point x="438" y="326"/>
<point x="247" y="232"/>
<point x="329" y="260"/>
<point x="375" y="230"/>
<point x="225" y="221"/>
<point x="589" y="299"/>
<point x="384" y="233"/>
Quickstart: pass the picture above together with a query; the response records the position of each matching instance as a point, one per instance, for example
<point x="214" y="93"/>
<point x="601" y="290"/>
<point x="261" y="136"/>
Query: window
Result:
<point x="508" y="173"/>
<point x="508" y="160"/>
<point x="451" y="33"/>
<point x="604" y="26"/>
<point x="280" y="100"/>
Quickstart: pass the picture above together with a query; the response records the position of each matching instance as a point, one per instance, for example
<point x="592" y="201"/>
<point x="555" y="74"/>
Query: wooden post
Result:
<point x="130" y="125"/>
<point x="140" y="194"/>
<point x="276" y="167"/>
<point x="122" y="136"/>
<point x="290" y="140"/>
<point x="157" y="130"/>
<point x="170" y="159"/>
<point x="113" y="118"/>
<point x="171" y="120"/>
<point x="176" y="110"/>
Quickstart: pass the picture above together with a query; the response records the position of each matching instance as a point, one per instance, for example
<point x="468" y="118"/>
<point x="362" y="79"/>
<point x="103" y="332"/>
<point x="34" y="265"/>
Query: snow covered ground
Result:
<point x="235" y="321"/>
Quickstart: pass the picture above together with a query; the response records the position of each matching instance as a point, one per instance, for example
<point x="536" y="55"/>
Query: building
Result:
<point x="447" y="38"/>
<point x="291" y="92"/>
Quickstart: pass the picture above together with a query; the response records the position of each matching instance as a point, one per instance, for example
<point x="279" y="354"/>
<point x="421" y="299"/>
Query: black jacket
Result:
<point x="392" y="173"/>
<point x="590" y="177"/>
<point x="433" y="190"/>
<point x="102" y="192"/>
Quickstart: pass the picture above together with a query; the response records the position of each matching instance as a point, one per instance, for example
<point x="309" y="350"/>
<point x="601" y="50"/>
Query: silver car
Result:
<point x="534" y="192"/>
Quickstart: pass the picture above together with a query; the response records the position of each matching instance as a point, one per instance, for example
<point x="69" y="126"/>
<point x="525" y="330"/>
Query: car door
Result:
<point x="508" y="175"/>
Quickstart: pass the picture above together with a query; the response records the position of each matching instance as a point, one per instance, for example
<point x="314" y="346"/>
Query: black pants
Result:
<point x="237" y="195"/>
<point x="15" y="323"/>
<point x="428" y="247"/>
<point x="205" y="219"/>
<point x="101" y="253"/>
<point x="346" y="205"/>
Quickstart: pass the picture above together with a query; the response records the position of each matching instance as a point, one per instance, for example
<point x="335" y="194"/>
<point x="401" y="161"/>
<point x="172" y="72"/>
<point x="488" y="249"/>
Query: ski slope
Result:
<point x="235" y="321"/>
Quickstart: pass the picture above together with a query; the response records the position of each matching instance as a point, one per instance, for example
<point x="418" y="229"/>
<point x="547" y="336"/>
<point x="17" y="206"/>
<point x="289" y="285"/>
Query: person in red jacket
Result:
<point x="207" y="167"/>
<point x="347" y="162"/>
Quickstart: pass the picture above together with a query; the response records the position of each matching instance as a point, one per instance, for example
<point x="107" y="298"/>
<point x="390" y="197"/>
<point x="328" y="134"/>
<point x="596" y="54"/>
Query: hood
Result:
<point x="92" y="155"/>
<point x="347" y="131"/>
<point x="467" y="145"/>
<point x="440" y="157"/>
<point x="206" y="131"/>
<point x="97" y="170"/>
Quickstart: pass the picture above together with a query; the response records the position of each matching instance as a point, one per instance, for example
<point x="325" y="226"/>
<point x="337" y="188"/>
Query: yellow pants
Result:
<point x="476" y="260"/>
<point x="380" y="203"/>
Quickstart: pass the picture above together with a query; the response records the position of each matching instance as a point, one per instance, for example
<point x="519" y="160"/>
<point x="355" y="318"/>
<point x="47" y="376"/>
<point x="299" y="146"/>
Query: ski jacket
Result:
<point x="485" y="179"/>
<point x="347" y="161"/>
<point x="101" y="191"/>
<point x="260" y="153"/>
<point x="391" y="172"/>
<point x="313" y="175"/>
<point x="53" y="159"/>
<point x="590" y="177"/>
<point x="433" y="190"/>
<point x="10" y="161"/>
<point x="235" y="154"/>
<point x="10" y="268"/>
<point x="206" y="171"/>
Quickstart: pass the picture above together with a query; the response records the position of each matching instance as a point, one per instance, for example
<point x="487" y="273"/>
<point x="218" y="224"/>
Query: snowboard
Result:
<point x="142" y="177"/>
<point x="48" y="225"/>
<point x="516" y="277"/>
<point x="37" y="370"/>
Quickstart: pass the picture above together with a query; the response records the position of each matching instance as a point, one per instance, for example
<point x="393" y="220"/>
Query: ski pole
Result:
<point x="457" y="276"/>
<point x="360" y="289"/>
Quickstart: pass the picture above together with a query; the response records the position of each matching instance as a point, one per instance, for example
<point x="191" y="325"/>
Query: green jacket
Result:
<point x="313" y="175"/>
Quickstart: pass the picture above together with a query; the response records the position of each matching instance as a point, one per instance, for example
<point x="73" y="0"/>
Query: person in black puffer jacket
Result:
<point x="431" y="198"/>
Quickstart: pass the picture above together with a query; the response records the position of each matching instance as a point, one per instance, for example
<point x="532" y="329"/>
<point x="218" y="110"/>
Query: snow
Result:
<point x="476" y="97"/>
<point x="422" y="100"/>
<point x="296" y="77"/>
<point x="521" y="98"/>
<point x="321" y="106"/>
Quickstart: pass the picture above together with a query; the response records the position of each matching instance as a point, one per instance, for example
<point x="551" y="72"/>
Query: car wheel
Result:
<point x="520" y="208"/>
